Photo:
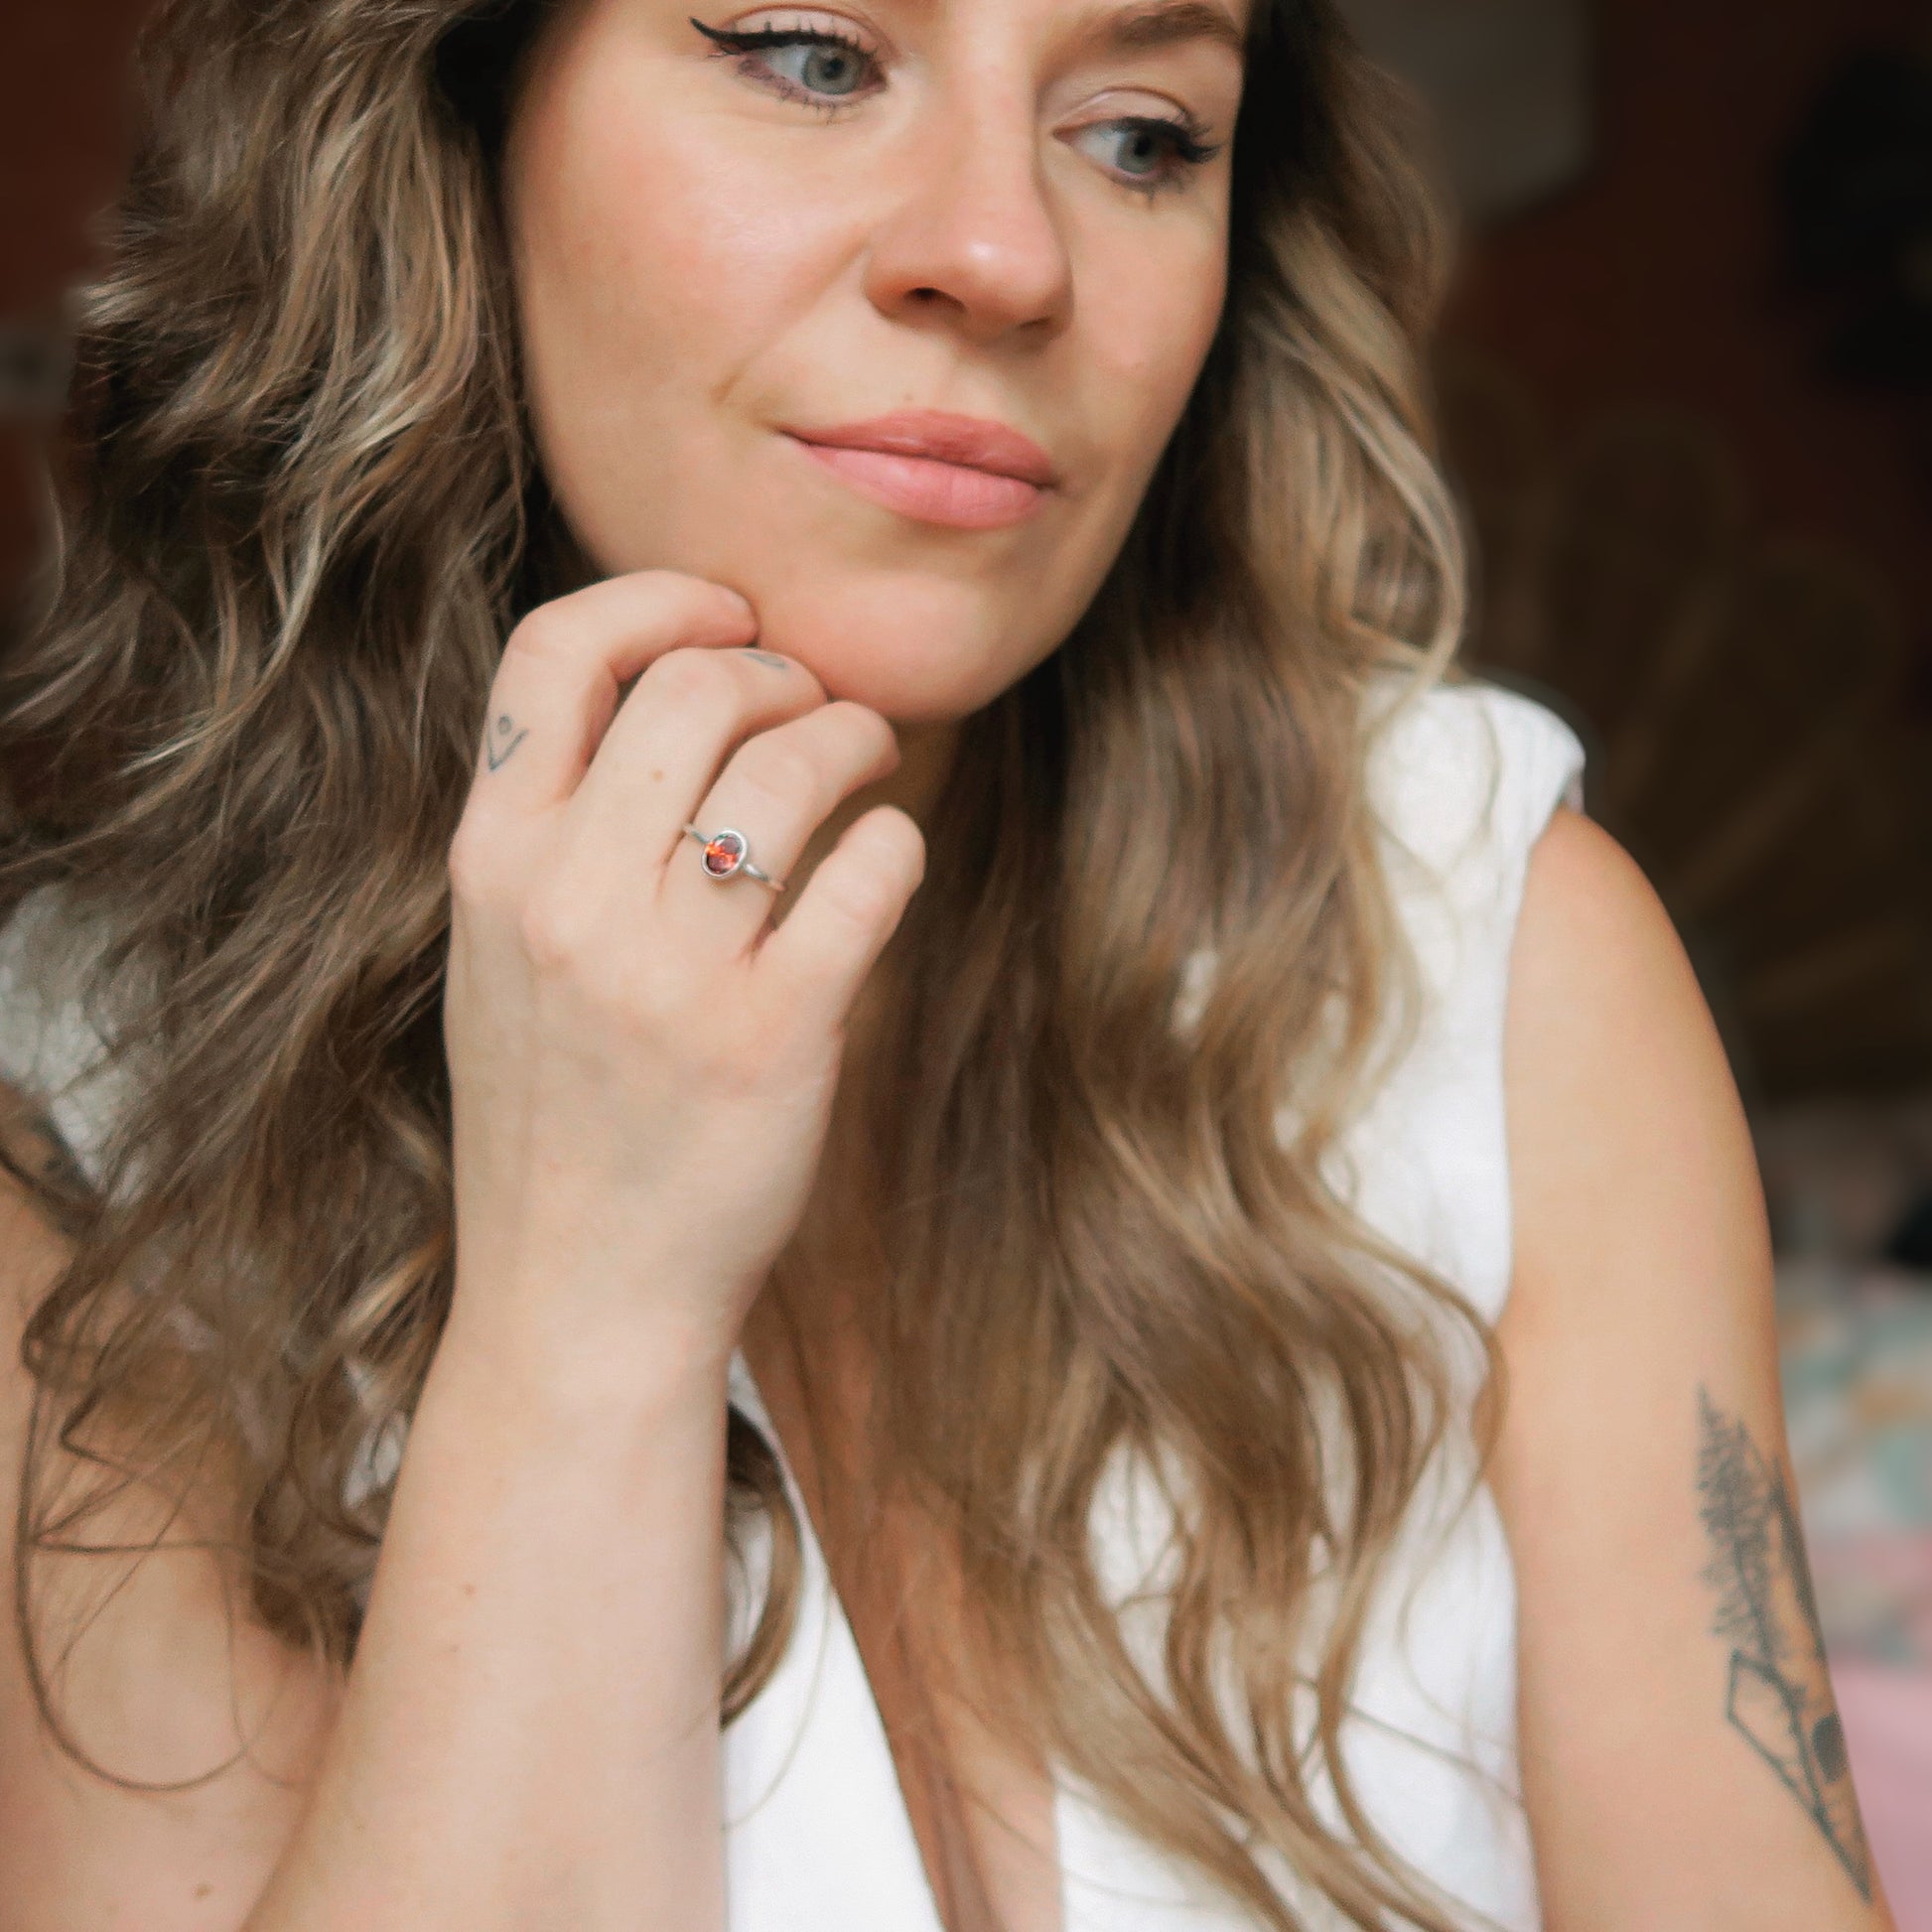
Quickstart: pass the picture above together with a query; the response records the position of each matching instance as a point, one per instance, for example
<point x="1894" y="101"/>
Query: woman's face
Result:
<point x="989" y="209"/>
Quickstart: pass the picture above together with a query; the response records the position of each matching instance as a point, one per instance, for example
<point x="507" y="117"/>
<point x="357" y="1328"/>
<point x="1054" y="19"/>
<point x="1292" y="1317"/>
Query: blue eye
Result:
<point x="830" y="70"/>
<point x="1155" y="153"/>
<point x="827" y="68"/>
<point x="824" y="68"/>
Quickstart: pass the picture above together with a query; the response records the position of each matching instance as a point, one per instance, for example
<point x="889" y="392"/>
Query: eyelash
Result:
<point x="1188" y="149"/>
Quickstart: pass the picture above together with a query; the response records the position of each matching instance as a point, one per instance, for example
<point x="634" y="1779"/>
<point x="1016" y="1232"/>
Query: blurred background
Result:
<point x="1687" y="389"/>
<point x="1686" y="381"/>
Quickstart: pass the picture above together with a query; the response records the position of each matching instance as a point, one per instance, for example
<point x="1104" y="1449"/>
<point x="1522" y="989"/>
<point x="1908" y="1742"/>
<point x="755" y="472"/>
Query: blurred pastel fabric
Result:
<point x="1857" y="1339"/>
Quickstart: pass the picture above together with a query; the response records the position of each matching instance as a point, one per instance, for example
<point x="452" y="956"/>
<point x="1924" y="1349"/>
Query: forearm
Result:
<point x="530" y="1736"/>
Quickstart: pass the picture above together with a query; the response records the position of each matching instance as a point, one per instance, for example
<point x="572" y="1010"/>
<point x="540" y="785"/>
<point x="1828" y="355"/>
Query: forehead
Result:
<point x="1157" y="22"/>
<point x="1128" y="25"/>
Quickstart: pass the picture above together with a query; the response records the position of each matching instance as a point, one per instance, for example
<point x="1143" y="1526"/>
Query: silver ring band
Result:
<point x="728" y="855"/>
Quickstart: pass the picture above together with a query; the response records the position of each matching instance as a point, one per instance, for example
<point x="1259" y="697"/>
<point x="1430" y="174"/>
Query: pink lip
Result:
<point x="963" y="470"/>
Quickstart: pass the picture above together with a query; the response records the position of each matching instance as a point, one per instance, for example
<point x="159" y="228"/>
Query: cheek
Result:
<point x="651" y="261"/>
<point x="1151" y="331"/>
<point x="679" y="285"/>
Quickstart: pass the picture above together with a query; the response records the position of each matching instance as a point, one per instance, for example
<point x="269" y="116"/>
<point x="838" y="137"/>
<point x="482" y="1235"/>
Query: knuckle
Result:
<point x="689" y="675"/>
<point x="870" y="730"/>
<point x="715" y="600"/>
<point x="470" y="881"/>
<point x="900" y="846"/>
<point x="861" y="717"/>
<point x="799" y="668"/>
<point x="778" y="770"/>
<point x="554" y="932"/>
<point x="862" y="895"/>
<point x="475" y="863"/>
<point x="636" y="994"/>
<point x="544" y="632"/>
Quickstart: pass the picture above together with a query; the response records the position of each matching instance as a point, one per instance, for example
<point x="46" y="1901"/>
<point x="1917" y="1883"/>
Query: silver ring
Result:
<point x="727" y="853"/>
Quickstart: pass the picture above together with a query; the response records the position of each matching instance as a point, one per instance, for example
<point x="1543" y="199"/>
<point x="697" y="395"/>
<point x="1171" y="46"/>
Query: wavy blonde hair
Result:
<point x="301" y="512"/>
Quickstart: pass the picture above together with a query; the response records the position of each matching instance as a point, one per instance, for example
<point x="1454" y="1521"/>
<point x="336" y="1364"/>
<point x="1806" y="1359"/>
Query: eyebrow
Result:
<point x="1164" y="22"/>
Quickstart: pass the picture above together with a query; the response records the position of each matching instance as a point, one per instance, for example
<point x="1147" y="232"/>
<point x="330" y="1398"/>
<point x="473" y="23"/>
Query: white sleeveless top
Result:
<point x="817" y="1835"/>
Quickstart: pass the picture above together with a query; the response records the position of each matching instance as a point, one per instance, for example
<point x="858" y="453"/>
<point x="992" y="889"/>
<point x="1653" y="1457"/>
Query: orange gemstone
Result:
<point x="722" y="855"/>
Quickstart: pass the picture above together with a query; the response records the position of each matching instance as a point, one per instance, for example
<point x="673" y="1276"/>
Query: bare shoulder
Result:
<point x="1626" y="1131"/>
<point x="1681" y="1754"/>
<point x="154" y="1669"/>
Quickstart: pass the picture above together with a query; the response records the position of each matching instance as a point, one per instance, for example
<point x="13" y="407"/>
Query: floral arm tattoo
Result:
<point x="1778" y="1696"/>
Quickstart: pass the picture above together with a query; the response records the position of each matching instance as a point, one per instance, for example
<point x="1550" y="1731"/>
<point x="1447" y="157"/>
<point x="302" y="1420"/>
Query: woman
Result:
<point x="749" y="731"/>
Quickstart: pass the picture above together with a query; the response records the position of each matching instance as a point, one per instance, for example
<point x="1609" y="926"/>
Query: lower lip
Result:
<point x="930" y="490"/>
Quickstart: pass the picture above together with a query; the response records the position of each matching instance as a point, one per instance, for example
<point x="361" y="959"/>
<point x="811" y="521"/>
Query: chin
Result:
<point x="914" y="647"/>
<point x="921" y="640"/>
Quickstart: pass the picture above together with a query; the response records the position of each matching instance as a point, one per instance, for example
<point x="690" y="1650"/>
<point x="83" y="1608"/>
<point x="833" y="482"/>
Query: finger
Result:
<point x="564" y="667"/>
<point x="672" y="735"/>
<point x="777" y="789"/>
<point x="814" y="962"/>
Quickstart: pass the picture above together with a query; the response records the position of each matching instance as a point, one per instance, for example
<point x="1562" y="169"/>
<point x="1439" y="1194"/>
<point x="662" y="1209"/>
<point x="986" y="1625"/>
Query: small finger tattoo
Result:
<point x="503" y="739"/>
<point x="776" y="662"/>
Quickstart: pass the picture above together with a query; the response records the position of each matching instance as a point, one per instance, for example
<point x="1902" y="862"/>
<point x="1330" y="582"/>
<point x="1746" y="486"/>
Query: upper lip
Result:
<point x="975" y="441"/>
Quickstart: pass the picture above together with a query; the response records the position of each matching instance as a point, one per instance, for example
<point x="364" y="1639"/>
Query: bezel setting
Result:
<point x="725" y="851"/>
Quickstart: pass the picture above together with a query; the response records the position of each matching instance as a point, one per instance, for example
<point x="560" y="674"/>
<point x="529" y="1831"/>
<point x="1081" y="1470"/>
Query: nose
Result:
<point x="971" y="233"/>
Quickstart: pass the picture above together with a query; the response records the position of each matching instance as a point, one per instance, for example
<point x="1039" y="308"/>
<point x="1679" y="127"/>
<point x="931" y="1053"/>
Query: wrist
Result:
<point x="565" y="1377"/>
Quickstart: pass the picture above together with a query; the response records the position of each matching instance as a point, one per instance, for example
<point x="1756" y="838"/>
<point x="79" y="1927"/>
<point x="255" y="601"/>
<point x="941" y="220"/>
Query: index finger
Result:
<point x="566" y="666"/>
